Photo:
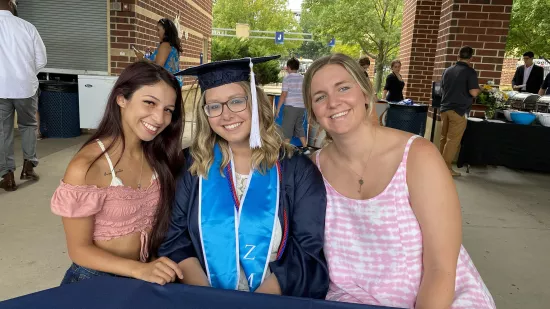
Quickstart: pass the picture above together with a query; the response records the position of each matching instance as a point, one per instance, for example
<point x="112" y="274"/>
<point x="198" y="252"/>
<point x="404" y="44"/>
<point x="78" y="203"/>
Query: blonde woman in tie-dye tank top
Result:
<point x="393" y="222"/>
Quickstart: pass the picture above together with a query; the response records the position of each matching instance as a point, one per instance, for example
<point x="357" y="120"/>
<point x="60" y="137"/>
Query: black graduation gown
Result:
<point x="302" y="269"/>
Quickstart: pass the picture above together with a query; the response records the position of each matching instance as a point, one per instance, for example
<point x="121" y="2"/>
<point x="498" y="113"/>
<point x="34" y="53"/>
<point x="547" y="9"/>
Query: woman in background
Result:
<point x="169" y="49"/>
<point x="393" y="90"/>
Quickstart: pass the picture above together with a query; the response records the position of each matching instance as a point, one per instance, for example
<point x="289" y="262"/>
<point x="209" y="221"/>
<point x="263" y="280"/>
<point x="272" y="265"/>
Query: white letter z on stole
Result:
<point x="252" y="247"/>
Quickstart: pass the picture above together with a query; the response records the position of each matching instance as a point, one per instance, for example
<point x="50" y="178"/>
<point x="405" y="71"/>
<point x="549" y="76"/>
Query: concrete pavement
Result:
<point x="506" y="219"/>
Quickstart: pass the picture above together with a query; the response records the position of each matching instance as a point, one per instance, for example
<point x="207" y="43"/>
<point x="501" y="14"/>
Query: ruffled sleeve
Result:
<point x="77" y="201"/>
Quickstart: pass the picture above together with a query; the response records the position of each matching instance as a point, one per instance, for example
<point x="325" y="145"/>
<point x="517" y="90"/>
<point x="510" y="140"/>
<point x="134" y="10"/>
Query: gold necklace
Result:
<point x="361" y="181"/>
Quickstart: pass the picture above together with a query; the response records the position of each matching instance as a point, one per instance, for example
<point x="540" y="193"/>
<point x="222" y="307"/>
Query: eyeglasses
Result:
<point x="216" y="109"/>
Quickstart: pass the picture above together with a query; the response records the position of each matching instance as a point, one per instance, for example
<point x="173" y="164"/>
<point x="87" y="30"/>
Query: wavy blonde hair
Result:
<point x="353" y="68"/>
<point x="273" y="147"/>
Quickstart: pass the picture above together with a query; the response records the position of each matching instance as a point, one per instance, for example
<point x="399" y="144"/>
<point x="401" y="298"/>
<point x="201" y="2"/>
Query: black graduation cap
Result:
<point x="215" y="74"/>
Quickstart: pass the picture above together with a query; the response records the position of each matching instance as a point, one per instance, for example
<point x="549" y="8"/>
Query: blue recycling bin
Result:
<point x="410" y="118"/>
<point x="58" y="108"/>
<point x="295" y="140"/>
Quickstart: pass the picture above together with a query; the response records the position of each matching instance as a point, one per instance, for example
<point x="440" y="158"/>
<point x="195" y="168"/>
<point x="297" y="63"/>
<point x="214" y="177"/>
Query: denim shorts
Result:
<point x="77" y="273"/>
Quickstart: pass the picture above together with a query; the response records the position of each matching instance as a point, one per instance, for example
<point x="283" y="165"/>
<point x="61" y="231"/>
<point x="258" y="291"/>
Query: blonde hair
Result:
<point x="353" y="68"/>
<point x="262" y="158"/>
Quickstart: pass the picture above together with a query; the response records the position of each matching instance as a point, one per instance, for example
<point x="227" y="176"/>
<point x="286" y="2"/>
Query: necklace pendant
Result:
<point x="361" y="182"/>
<point x="139" y="186"/>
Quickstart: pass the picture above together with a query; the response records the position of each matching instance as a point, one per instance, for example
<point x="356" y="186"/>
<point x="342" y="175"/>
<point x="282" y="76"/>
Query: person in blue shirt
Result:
<point x="169" y="49"/>
<point x="249" y="209"/>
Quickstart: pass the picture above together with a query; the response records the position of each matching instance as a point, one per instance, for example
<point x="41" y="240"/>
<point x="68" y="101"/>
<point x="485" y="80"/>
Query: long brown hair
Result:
<point x="163" y="153"/>
<point x="171" y="34"/>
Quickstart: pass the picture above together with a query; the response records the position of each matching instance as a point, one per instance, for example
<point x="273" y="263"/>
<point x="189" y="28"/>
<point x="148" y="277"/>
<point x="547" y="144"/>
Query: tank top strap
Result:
<point x="317" y="153"/>
<point x="102" y="146"/>
<point x="407" y="149"/>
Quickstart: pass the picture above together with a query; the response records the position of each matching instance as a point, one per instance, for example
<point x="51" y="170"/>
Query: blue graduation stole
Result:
<point x="237" y="233"/>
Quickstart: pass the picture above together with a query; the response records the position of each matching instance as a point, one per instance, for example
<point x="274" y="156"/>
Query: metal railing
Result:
<point x="228" y="32"/>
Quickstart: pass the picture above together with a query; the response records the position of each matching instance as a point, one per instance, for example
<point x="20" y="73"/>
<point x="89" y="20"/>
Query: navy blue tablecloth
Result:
<point x="506" y="144"/>
<point x="122" y="293"/>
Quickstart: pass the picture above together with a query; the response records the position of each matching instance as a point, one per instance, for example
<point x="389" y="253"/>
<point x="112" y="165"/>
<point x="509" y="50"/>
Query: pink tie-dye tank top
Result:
<point x="374" y="250"/>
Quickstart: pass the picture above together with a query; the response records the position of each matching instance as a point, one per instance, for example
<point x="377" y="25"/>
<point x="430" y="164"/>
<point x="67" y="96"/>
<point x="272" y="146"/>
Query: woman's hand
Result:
<point x="194" y="275"/>
<point x="161" y="271"/>
<point x="139" y="55"/>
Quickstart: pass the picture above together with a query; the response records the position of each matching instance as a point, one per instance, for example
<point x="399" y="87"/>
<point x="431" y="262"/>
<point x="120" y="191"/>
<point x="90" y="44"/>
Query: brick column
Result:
<point x="508" y="71"/>
<point x="481" y="24"/>
<point x="134" y="22"/>
<point x="419" y="36"/>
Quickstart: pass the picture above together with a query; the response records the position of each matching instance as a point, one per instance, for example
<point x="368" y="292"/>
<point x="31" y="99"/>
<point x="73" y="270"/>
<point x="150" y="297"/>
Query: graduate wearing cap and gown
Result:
<point x="249" y="209"/>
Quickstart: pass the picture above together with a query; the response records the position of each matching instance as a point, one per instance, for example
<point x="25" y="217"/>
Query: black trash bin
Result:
<point x="58" y="108"/>
<point x="410" y="118"/>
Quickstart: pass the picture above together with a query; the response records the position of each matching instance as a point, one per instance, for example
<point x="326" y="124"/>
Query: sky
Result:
<point x="295" y="5"/>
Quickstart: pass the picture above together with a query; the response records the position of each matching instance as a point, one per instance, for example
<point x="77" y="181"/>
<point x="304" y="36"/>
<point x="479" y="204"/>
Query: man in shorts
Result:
<point x="291" y="97"/>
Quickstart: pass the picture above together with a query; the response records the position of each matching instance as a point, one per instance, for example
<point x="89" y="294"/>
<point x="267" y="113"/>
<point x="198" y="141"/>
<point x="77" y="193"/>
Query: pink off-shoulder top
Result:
<point x="118" y="210"/>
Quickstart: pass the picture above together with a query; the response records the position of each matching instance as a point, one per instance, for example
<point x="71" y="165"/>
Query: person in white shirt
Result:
<point x="528" y="77"/>
<point x="22" y="56"/>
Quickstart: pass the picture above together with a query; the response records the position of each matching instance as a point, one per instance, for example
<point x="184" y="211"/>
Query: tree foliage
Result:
<point x="265" y="15"/>
<point x="374" y="25"/>
<point x="312" y="50"/>
<point x="234" y="48"/>
<point x="352" y="50"/>
<point x="529" y="28"/>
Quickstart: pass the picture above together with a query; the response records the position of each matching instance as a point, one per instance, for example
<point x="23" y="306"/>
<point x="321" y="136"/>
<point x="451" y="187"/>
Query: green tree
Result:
<point x="352" y="50"/>
<point x="374" y="25"/>
<point x="265" y="15"/>
<point x="234" y="48"/>
<point x="312" y="50"/>
<point x="529" y="28"/>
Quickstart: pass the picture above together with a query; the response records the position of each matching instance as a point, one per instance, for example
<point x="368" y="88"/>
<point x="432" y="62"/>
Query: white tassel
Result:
<point x="255" y="137"/>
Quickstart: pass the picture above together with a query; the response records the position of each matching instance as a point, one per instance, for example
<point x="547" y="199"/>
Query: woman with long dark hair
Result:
<point x="169" y="49"/>
<point x="122" y="178"/>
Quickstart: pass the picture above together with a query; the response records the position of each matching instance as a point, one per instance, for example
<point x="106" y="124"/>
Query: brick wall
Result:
<point x="134" y="22"/>
<point x="481" y="24"/>
<point x="508" y="70"/>
<point x="371" y="68"/>
<point x="419" y="36"/>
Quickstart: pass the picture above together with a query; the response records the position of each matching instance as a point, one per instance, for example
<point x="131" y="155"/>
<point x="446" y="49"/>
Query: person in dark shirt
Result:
<point x="365" y="64"/>
<point x="545" y="88"/>
<point x="393" y="90"/>
<point x="459" y="86"/>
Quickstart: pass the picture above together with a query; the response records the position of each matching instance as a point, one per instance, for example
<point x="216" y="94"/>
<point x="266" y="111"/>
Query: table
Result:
<point x="122" y="293"/>
<point x="506" y="144"/>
